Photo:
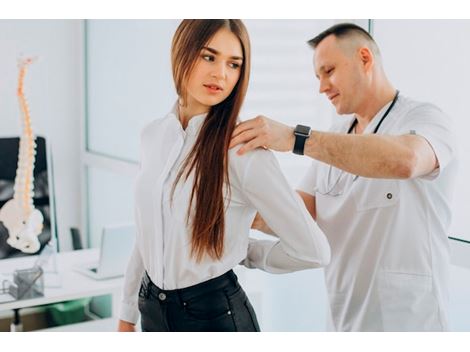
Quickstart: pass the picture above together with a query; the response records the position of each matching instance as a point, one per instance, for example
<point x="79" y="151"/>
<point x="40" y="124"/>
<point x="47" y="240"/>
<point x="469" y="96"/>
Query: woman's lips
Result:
<point x="212" y="88"/>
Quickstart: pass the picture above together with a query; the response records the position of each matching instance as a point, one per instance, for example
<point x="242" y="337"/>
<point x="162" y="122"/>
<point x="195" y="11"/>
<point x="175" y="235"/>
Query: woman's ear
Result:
<point x="182" y="97"/>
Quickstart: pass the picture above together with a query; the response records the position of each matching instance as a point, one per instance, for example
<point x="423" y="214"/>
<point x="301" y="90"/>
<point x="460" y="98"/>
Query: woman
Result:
<point x="196" y="200"/>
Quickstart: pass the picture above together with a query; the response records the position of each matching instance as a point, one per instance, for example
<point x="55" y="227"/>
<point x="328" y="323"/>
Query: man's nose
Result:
<point x="324" y="86"/>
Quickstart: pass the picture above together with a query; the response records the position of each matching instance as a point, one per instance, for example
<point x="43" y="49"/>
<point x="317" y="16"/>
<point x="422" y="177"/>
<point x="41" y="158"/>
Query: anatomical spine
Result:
<point x="23" y="221"/>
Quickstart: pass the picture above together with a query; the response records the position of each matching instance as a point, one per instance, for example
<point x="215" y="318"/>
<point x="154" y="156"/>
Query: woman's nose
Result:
<point x="219" y="71"/>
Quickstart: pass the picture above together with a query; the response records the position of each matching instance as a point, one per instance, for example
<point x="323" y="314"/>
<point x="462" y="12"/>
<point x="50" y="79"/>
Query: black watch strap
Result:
<point x="301" y="134"/>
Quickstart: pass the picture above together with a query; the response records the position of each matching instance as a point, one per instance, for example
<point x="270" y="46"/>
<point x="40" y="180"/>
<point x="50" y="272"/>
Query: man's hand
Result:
<point x="262" y="132"/>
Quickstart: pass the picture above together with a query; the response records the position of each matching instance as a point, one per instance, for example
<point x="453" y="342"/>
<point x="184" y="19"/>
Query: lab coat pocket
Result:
<point x="375" y="193"/>
<point x="407" y="302"/>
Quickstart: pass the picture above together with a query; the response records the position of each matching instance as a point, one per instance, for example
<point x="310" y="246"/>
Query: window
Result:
<point x="129" y="82"/>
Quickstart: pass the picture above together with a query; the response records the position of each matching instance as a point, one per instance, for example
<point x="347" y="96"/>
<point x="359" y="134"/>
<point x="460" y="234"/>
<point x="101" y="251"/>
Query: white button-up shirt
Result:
<point x="389" y="248"/>
<point x="163" y="238"/>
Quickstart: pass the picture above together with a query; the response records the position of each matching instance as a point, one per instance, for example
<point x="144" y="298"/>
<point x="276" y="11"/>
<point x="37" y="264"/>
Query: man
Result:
<point x="379" y="186"/>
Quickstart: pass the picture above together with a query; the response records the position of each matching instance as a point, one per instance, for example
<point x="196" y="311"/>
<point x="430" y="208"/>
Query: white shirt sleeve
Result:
<point x="134" y="273"/>
<point x="135" y="268"/>
<point x="430" y="122"/>
<point x="301" y="243"/>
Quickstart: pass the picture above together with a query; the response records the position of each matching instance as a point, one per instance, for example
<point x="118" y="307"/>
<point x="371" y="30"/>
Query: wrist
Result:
<point x="290" y="140"/>
<point x="301" y="135"/>
<point x="124" y="322"/>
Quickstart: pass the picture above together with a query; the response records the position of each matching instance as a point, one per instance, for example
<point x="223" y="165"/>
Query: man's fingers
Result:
<point x="239" y="129"/>
<point x="250" y="132"/>
<point x="246" y="125"/>
<point x="235" y="141"/>
<point x="243" y="137"/>
<point x="253" y="144"/>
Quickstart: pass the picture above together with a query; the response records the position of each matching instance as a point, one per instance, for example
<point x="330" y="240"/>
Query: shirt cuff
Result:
<point x="258" y="251"/>
<point x="129" y="312"/>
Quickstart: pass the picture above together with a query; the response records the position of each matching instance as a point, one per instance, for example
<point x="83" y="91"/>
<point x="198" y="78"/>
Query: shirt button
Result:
<point x="389" y="195"/>
<point x="161" y="296"/>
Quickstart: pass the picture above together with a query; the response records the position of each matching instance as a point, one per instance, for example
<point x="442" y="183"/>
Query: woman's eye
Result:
<point x="330" y="71"/>
<point x="208" y="57"/>
<point x="234" y="65"/>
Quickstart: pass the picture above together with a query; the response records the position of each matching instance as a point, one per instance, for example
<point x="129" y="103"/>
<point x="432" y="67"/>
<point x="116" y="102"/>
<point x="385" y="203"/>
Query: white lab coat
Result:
<point x="390" y="253"/>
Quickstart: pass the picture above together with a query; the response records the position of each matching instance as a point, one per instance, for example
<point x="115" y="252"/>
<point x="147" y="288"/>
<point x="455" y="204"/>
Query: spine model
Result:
<point x="23" y="221"/>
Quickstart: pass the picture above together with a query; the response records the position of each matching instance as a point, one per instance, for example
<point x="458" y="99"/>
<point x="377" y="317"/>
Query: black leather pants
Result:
<point x="219" y="304"/>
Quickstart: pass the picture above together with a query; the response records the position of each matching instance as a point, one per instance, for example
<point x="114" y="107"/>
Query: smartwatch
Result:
<point x="301" y="134"/>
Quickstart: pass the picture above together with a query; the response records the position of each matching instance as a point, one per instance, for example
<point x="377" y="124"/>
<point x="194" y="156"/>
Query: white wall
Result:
<point x="53" y="90"/>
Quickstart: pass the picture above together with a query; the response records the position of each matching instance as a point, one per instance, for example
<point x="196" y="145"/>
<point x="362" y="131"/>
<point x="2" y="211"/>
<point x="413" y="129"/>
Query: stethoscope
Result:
<point x="351" y="128"/>
<point x="383" y="117"/>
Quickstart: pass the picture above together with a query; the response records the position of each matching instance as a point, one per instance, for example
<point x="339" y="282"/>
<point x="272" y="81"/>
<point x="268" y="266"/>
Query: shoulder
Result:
<point x="415" y="112"/>
<point x="155" y="127"/>
<point x="256" y="161"/>
<point x="410" y="106"/>
<point x="259" y="155"/>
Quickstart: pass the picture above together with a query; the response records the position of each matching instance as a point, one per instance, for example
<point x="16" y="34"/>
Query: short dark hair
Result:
<point x="341" y="30"/>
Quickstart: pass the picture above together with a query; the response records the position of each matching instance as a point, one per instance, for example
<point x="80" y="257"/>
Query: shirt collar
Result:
<point x="376" y="119"/>
<point x="194" y="124"/>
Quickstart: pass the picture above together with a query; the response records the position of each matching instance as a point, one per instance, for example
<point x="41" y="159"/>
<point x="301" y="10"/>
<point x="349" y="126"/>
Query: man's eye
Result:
<point x="330" y="71"/>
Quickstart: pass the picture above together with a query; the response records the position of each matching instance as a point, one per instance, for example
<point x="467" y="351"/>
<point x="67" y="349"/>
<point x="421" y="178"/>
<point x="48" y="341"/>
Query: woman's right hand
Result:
<point x="125" y="326"/>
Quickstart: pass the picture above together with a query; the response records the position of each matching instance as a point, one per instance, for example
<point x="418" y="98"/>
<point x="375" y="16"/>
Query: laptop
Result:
<point x="117" y="243"/>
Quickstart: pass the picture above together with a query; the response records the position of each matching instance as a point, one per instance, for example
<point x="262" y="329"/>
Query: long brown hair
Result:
<point x="208" y="158"/>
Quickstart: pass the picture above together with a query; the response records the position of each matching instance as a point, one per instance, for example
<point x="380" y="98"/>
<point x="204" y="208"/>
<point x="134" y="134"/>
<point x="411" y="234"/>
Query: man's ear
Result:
<point x="366" y="57"/>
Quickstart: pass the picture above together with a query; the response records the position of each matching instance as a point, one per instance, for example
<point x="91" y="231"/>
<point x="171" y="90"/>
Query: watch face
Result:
<point x="302" y="130"/>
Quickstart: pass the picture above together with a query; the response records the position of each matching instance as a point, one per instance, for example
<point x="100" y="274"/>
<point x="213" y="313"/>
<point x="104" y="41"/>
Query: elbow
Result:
<point x="319" y="261"/>
<point x="325" y="257"/>
<point x="320" y="254"/>
<point x="323" y="251"/>
<point x="407" y="166"/>
<point x="318" y="251"/>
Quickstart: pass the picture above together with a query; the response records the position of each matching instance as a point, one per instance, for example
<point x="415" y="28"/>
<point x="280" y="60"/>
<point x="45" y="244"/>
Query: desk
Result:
<point x="73" y="285"/>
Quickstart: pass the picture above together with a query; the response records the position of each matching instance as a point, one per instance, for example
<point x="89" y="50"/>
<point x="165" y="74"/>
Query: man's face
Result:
<point x="339" y="72"/>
